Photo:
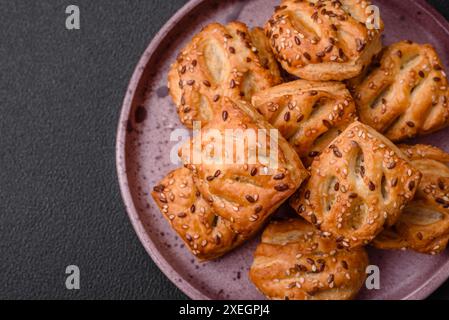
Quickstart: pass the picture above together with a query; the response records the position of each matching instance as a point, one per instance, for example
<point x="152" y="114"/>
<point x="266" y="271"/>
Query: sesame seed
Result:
<point x="281" y="187"/>
<point x="391" y="165"/>
<point x="250" y="198"/>
<point x="394" y="182"/>
<point x="337" y="152"/>
<point x="160" y="188"/>
<point x="279" y="176"/>
<point x="182" y="215"/>
<point x="254" y="218"/>
<point x="337" y="186"/>
<point x="253" y="171"/>
<point x="224" y="115"/>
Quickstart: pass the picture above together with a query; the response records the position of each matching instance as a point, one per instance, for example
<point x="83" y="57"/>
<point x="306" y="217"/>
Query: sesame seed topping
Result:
<point x="282" y="187"/>
<point x="224" y="115"/>
<point x="279" y="176"/>
<point x="250" y="198"/>
<point x="253" y="171"/>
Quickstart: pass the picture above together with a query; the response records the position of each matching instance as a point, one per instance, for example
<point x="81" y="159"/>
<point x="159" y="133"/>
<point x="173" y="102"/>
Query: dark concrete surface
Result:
<point x="60" y="97"/>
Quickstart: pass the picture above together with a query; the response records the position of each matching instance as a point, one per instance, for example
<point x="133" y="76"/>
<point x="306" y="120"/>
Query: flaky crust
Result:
<point x="359" y="184"/>
<point x="216" y="206"/>
<point x="204" y="232"/>
<point x="404" y="95"/>
<point x="295" y="261"/>
<point x="323" y="39"/>
<point x="246" y="191"/>
<point x="424" y="223"/>
<point x="220" y="61"/>
<point x="308" y="114"/>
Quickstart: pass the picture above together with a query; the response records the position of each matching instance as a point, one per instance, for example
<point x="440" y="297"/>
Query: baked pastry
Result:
<point x="405" y="94"/>
<point x="308" y="114"/>
<point x="358" y="185"/>
<point x="204" y="232"/>
<point x="324" y="39"/>
<point x="220" y="61"/>
<point x="215" y="206"/>
<point x="295" y="261"/>
<point x="424" y="224"/>
<point x="240" y="186"/>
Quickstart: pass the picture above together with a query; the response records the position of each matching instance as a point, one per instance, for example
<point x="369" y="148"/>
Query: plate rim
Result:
<point x="422" y="292"/>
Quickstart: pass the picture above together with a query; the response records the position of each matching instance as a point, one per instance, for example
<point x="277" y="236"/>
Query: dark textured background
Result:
<point x="60" y="97"/>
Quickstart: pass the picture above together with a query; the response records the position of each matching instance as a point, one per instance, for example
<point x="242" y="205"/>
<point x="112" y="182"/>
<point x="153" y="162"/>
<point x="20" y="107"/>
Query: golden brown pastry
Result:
<point x="358" y="185"/>
<point x="204" y="232"/>
<point x="424" y="224"/>
<point x="249" y="189"/>
<point x="406" y="94"/>
<point x="324" y="39"/>
<point x="295" y="261"/>
<point x="308" y="114"/>
<point x="215" y="206"/>
<point x="220" y="61"/>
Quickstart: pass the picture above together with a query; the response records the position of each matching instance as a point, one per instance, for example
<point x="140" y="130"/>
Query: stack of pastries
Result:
<point x="339" y="165"/>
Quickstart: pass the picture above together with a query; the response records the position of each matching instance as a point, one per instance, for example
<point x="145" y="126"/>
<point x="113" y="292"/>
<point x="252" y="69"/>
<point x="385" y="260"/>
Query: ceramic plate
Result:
<point x="143" y="144"/>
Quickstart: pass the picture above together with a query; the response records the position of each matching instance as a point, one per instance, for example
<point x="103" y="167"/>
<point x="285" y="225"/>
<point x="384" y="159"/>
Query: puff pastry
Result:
<point x="295" y="261"/>
<point x="246" y="191"/>
<point x="308" y="114"/>
<point x="215" y="206"/>
<point x="358" y="185"/>
<point x="220" y="61"/>
<point x="324" y="39"/>
<point x="424" y="224"/>
<point x="405" y="94"/>
<point x="204" y="232"/>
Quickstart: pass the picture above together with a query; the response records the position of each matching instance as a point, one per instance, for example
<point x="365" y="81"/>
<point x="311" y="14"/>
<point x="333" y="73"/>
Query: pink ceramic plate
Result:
<point x="143" y="144"/>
